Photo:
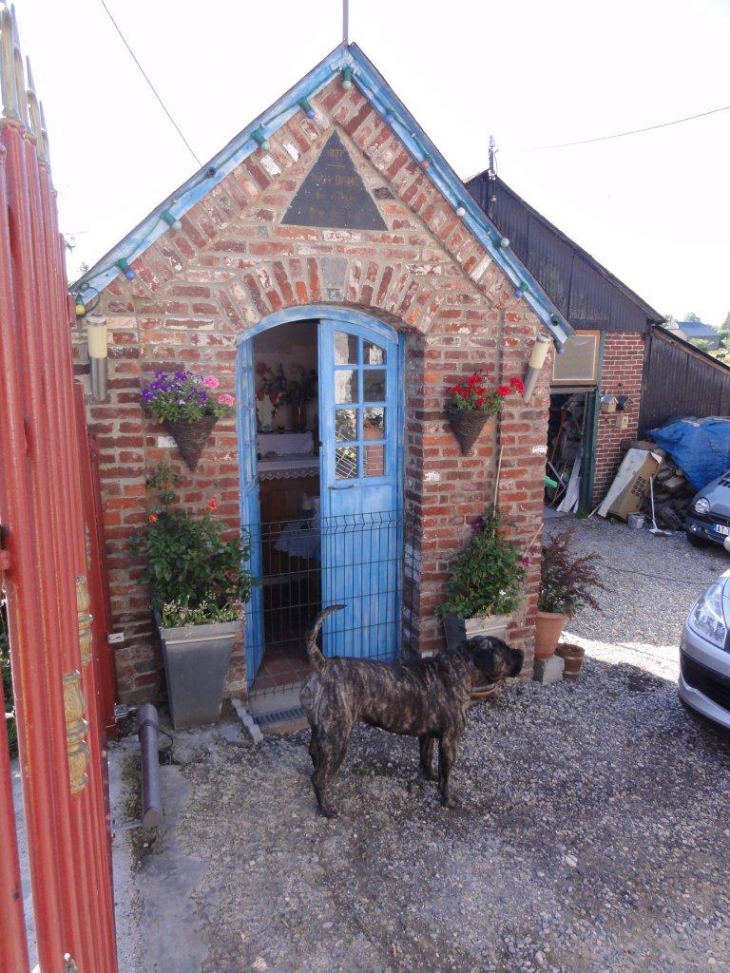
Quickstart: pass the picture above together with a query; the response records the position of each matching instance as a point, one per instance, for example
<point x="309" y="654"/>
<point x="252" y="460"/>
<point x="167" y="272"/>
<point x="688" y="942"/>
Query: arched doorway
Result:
<point x="323" y="504"/>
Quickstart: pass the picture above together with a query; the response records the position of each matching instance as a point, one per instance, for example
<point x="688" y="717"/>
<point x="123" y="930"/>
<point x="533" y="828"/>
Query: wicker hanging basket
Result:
<point x="191" y="437"/>
<point x="466" y="425"/>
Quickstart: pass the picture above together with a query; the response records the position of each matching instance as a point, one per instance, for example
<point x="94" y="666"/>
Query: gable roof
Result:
<point x="696" y="329"/>
<point x="357" y="70"/>
<point x="585" y="291"/>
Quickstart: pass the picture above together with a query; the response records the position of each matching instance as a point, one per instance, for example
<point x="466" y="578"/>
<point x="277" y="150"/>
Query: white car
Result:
<point x="704" y="654"/>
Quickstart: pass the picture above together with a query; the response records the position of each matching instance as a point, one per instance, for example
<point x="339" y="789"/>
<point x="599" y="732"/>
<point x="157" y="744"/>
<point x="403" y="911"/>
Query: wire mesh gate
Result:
<point x="43" y="570"/>
<point x="295" y="587"/>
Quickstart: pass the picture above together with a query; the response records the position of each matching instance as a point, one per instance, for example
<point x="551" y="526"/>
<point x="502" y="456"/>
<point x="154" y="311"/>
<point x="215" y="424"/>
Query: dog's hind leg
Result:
<point x="425" y="746"/>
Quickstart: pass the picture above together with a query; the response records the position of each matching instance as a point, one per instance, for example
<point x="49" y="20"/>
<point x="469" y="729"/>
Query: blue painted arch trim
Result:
<point x="311" y="312"/>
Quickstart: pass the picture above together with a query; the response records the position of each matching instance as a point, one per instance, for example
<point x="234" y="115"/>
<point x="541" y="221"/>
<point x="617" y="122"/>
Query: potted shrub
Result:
<point x="484" y="584"/>
<point x="567" y="583"/>
<point x="472" y="402"/>
<point x="188" y="406"/>
<point x="197" y="587"/>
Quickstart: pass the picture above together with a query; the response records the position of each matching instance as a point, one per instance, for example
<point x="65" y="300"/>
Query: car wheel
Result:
<point x="696" y="541"/>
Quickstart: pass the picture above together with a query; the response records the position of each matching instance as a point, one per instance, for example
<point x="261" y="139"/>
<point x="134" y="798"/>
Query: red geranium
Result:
<point x="474" y="393"/>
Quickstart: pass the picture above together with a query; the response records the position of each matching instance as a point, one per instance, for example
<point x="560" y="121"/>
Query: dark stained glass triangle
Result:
<point x="334" y="195"/>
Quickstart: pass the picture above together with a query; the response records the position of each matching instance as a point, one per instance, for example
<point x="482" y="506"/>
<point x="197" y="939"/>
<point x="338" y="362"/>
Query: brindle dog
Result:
<point x="427" y="698"/>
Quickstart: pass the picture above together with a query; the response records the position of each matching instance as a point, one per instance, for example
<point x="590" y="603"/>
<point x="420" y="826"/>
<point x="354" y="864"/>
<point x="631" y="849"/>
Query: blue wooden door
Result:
<point x="250" y="508"/>
<point x="361" y="429"/>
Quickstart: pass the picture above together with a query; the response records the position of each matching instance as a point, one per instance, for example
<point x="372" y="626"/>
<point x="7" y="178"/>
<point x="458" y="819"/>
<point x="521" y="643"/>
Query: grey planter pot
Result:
<point x="196" y="660"/>
<point x="457" y="629"/>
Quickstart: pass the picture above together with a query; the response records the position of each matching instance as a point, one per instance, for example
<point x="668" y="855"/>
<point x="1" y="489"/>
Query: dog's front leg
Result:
<point x="448" y="748"/>
<point x="425" y="746"/>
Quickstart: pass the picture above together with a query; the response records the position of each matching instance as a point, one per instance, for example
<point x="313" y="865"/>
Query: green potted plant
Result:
<point x="188" y="406"/>
<point x="471" y="402"/>
<point x="484" y="583"/>
<point x="197" y="586"/>
<point x="567" y="583"/>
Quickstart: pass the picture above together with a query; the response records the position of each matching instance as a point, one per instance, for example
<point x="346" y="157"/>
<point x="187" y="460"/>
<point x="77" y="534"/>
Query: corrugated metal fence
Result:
<point x="58" y="687"/>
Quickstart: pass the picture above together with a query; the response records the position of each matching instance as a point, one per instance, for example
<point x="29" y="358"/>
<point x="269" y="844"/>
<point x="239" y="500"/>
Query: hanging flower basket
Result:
<point x="466" y="425"/>
<point x="191" y="437"/>
<point x="472" y="402"/>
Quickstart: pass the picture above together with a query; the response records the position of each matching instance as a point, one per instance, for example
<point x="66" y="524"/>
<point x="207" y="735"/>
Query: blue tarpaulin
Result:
<point x="700" y="447"/>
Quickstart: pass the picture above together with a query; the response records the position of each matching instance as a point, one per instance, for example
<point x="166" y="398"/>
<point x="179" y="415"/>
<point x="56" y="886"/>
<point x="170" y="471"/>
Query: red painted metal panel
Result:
<point x="58" y="687"/>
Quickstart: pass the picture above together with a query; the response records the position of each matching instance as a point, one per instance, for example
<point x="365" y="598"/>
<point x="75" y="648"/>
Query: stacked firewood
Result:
<point x="673" y="492"/>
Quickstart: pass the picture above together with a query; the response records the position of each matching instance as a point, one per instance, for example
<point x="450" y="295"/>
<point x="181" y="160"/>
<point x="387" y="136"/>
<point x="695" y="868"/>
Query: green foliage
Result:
<point x="567" y="581"/>
<point x="191" y="569"/>
<point x="7" y="681"/>
<point x="486" y="576"/>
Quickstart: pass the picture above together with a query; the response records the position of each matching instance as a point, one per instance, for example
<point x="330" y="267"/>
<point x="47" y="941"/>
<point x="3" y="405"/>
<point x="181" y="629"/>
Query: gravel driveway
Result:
<point x="593" y="832"/>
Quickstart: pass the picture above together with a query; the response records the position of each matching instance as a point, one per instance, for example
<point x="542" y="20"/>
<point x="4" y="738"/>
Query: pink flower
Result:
<point x="226" y="399"/>
<point x="212" y="504"/>
<point x="211" y="382"/>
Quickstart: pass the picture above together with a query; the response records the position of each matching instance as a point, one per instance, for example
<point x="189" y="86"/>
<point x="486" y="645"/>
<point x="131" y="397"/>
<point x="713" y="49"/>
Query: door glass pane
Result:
<point x="374" y="382"/>
<point x="346" y="462"/>
<point x="346" y="386"/>
<point x="372" y="354"/>
<point x="345" y="424"/>
<point x="346" y="349"/>
<point x="374" y="461"/>
<point x="374" y="422"/>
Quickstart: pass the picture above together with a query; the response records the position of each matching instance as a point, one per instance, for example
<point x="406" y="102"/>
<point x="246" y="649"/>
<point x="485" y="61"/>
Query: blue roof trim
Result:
<point x="377" y="91"/>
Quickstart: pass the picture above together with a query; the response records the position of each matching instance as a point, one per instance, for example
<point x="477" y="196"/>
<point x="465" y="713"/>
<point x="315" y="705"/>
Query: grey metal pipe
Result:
<point x="147" y="731"/>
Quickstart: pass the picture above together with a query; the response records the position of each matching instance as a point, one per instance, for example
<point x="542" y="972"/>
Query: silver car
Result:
<point x="708" y="516"/>
<point x="704" y="654"/>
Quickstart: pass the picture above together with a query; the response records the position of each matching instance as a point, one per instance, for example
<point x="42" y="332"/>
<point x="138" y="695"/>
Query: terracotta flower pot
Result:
<point x="548" y="629"/>
<point x="573" y="656"/>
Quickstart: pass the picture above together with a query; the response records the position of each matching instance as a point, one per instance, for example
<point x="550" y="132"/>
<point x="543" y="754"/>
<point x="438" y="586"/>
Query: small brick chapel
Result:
<point x="332" y="272"/>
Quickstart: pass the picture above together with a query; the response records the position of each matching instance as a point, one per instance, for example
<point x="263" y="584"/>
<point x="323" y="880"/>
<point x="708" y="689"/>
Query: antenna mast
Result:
<point x="345" y="22"/>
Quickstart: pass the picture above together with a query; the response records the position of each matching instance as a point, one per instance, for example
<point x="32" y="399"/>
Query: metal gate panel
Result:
<point x="45" y="571"/>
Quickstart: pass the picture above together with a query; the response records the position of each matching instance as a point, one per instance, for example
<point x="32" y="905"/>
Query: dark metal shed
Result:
<point x="680" y="380"/>
<point x="588" y="295"/>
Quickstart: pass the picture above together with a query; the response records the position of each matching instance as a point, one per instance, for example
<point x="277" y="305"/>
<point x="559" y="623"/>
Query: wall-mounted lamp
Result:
<point x="537" y="360"/>
<point x="96" y="336"/>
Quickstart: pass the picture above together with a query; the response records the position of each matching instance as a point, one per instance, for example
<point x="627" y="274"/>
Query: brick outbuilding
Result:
<point x="329" y="239"/>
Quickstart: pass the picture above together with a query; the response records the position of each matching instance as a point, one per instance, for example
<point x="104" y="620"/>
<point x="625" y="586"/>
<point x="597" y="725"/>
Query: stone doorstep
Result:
<point x="547" y="671"/>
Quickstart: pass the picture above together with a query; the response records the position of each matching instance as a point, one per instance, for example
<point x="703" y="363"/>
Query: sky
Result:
<point x="653" y="208"/>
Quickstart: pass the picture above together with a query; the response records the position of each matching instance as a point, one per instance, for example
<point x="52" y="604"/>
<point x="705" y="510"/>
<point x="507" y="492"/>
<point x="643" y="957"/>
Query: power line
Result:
<point x="154" y="90"/>
<point x="620" y="135"/>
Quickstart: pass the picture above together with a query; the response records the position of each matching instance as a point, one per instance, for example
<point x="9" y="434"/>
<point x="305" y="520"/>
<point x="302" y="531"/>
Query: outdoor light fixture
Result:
<point x="171" y="219"/>
<point x="307" y="108"/>
<point x="123" y="265"/>
<point x="460" y="208"/>
<point x="258" y="136"/>
<point x="347" y="77"/>
<point x="537" y="360"/>
<point x="96" y="336"/>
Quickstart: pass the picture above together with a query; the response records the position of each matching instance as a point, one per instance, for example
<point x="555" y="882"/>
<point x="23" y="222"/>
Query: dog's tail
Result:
<point x="316" y="659"/>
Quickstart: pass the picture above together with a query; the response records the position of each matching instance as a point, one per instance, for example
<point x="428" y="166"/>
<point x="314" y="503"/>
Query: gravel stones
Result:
<point x="592" y="832"/>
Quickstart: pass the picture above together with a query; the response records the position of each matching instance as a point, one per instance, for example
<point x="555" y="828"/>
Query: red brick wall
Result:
<point x="623" y="361"/>
<point x="233" y="264"/>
